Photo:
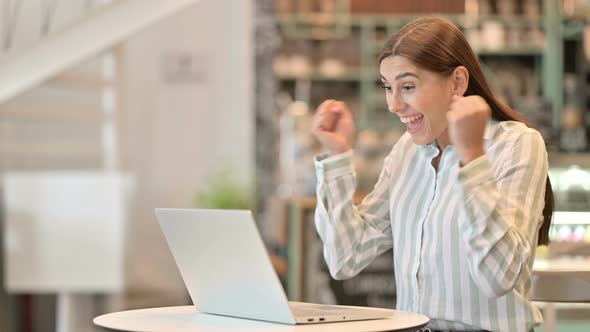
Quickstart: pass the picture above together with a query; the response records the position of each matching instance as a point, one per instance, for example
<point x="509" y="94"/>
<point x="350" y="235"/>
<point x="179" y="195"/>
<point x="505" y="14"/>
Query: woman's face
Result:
<point x="419" y="97"/>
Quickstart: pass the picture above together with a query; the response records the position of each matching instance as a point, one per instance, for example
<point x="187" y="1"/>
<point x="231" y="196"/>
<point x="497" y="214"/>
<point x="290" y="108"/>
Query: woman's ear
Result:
<point x="460" y="78"/>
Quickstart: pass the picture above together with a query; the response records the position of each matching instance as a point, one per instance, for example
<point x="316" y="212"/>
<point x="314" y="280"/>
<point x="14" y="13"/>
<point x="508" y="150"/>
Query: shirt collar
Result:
<point x="489" y="131"/>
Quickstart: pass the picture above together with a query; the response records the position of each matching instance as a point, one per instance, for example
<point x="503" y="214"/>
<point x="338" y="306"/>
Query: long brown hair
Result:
<point x="436" y="44"/>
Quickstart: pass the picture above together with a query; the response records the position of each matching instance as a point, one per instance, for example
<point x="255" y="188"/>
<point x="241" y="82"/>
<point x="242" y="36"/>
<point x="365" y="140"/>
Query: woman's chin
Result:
<point x="421" y="139"/>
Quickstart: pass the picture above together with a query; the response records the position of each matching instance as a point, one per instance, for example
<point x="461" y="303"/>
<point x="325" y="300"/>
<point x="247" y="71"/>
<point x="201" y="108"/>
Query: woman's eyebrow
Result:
<point x="405" y="74"/>
<point x="402" y="75"/>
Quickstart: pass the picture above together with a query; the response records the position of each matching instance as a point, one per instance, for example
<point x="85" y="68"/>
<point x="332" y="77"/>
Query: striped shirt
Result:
<point x="463" y="238"/>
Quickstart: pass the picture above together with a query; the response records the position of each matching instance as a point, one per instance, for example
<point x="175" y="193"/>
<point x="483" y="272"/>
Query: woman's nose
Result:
<point x="395" y="105"/>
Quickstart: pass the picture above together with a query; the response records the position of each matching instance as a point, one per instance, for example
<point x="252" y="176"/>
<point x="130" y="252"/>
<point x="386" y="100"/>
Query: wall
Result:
<point x="178" y="131"/>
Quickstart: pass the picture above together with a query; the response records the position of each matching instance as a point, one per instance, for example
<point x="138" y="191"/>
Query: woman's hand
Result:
<point x="468" y="117"/>
<point x="333" y="126"/>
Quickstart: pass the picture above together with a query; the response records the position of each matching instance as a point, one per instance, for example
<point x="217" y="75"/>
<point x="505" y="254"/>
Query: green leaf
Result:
<point x="224" y="192"/>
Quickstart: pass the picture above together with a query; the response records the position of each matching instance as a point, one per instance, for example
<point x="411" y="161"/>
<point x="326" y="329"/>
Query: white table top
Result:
<point x="570" y="267"/>
<point x="187" y="318"/>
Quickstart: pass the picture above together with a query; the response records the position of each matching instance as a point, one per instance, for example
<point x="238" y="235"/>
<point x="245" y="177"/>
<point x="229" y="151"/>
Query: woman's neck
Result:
<point x="443" y="140"/>
<point x="441" y="143"/>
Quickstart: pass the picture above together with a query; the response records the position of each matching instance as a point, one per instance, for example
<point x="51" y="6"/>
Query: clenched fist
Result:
<point x="468" y="117"/>
<point x="333" y="126"/>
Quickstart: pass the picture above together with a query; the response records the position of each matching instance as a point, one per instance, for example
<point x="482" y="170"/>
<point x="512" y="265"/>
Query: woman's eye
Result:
<point x="387" y="88"/>
<point x="407" y="87"/>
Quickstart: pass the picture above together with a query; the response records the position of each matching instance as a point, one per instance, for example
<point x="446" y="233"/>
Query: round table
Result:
<point x="187" y="318"/>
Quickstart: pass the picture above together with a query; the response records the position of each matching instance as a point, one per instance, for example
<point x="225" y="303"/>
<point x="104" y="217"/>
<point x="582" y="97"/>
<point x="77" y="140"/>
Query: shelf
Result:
<point x="352" y="75"/>
<point x="559" y="265"/>
<point x="27" y="113"/>
<point x="520" y="51"/>
<point x="573" y="30"/>
<point x="562" y="159"/>
<point x="393" y="20"/>
<point x="48" y="150"/>
<point x="570" y="218"/>
<point x="349" y="77"/>
<point x="512" y="20"/>
<point x="510" y="51"/>
<point x="82" y="81"/>
<point x="560" y="305"/>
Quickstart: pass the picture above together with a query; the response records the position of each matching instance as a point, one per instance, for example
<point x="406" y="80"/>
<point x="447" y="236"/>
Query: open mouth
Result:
<point x="413" y="123"/>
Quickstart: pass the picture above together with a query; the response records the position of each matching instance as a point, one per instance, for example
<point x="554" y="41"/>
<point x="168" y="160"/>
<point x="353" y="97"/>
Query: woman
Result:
<point x="463" y="197"/>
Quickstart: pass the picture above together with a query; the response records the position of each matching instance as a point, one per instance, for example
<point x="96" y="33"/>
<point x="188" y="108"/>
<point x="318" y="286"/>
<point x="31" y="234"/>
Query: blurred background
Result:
<point x="111" y="108"/>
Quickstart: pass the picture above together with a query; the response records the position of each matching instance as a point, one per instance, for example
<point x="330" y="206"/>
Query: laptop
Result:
<point x="228" y="272"/>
